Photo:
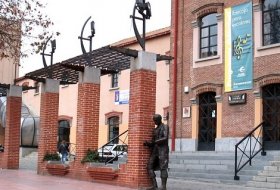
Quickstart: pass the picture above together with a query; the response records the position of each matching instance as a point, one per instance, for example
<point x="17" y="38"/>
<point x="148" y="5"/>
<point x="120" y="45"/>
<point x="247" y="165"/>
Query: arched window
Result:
<point x="208" y="35"/>
<point x="113" y="129"/>
<point x="271" y="22"/>
<point x="63" y="130"/>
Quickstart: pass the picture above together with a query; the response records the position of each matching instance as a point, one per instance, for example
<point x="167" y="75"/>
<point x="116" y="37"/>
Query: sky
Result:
<point x="112" y="24"/>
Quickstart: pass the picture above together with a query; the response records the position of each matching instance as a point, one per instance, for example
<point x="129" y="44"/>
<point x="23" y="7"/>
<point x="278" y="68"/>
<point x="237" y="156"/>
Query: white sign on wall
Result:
<point x="121" y="97"/>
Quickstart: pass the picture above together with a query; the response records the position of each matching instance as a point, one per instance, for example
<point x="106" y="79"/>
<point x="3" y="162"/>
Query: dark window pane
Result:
<point x="204" y="43"/>
<point x="114" y="129"/>
<point x="213" y="51"/>
<point x="275" y="38"/>
<point x="266" y="17"/>
<point x="204" y="32"/>
<point x="266" y="28"/>
<point x="271" y="4"/>
<point x="266" y="40"/>
<point x="204" y="52"/>
<point x="213" y="30"/>
<point x="64" y="130"/>
<point x="115" y="80"/>
<point x="213" y="40"/>
<point x="209" y="20"/>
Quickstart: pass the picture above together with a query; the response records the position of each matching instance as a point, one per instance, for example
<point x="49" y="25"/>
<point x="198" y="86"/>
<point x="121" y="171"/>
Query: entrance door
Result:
<point x="207" y="121"/>
<point x="271" y="116"/>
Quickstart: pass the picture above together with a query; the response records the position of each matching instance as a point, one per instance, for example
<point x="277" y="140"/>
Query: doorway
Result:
<point x="207" y="121"/>
<point x="271" y="116"/>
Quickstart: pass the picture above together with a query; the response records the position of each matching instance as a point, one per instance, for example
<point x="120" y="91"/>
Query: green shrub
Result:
<point x="51" y="156"/>
<point x="91" y="156"/>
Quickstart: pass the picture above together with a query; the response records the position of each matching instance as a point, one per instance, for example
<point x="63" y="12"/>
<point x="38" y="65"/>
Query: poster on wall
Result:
<point x="186" y="112"/>
<point x="238" y="48"/>
<point x="121" y="97"/>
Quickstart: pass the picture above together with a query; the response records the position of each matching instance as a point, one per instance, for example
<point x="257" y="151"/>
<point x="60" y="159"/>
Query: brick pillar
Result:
<point x="87" y="112"/>
<point x="10" y="158"/>
<point x="142" y="105"/>
<point x="47" y="141"/>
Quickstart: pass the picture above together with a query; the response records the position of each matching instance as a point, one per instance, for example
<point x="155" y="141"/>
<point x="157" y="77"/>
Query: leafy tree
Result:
<point x="23" y="23"/>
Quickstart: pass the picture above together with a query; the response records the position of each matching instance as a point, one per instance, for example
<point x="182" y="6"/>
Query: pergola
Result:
<point x="109" y="59"/>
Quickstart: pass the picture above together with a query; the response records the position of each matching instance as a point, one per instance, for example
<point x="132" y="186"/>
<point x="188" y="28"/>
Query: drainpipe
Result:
<point x="174" y="92"/>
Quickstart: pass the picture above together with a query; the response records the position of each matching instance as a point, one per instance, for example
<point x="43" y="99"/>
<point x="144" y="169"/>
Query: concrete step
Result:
<point x="230" y="172"/>
<point x="265" y="185"/>
<point x="202" y="184"/>
<point x="216" y="176"/>
<point x="219" y="167"/>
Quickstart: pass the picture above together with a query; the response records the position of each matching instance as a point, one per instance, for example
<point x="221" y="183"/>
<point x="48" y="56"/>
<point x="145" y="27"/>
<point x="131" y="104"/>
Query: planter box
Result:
<point x="57" y="168"/>
<point x="99" y="171"/>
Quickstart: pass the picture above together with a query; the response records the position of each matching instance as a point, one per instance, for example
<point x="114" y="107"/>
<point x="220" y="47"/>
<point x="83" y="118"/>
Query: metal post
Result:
<point x="235" y="165"/>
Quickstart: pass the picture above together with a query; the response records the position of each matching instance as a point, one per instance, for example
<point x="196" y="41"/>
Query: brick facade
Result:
<point x="88" y="118"/>
<point x="237" y="120"/>
<point x="141" y="111"/>
<point x="10" y="157"/>
<point x="48" y="121"/>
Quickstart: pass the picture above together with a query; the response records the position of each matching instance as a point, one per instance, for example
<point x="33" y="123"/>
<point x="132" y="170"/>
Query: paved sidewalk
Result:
<point x="29" y="180"/>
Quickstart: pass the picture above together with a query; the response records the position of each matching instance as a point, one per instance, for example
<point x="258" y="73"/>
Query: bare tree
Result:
<point x="22" y="24"/>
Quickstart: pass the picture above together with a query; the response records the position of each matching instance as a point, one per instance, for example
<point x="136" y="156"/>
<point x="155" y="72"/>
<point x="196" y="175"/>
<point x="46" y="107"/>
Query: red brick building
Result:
<point x="212" y="104"/>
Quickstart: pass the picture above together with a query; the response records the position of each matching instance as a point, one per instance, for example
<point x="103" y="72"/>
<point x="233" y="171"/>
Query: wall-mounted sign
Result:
<point x="237" y="98"/>
<point x="121" y="97"/>
<point x="186" y="112"/>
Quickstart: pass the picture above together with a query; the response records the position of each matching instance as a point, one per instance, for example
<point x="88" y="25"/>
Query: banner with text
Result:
<point x="238" y="48"/>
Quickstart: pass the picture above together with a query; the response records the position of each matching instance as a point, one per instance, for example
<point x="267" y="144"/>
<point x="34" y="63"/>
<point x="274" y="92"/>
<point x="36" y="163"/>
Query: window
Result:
<point x="37" y="87"/>
<point x="271" y="22"/>
<point x="63" y="130"/>
<point x="115" y="80"/>
<point x="113" y="129"/>
<point x="208" y="35"/>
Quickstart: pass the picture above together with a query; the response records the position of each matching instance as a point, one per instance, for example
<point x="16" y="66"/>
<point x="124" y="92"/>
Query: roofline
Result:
<point x="149" y="35"/>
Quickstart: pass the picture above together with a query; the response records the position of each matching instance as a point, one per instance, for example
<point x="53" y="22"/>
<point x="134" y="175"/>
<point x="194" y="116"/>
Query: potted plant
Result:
<point x="51" y="157"/>
<point x="91" y="156"/>
<point x="54" y="165"/>
<point x="98" y="170"/>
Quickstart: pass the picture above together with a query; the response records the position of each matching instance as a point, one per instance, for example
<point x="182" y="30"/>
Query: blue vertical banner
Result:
<point x="239" y="69"/>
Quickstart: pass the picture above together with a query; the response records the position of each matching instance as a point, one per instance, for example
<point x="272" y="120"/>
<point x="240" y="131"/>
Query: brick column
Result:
<point x="87" y="112"/>
<point x="10" y="158"/>
<point x="142" y="105"/>
<point x="47" y="141"/>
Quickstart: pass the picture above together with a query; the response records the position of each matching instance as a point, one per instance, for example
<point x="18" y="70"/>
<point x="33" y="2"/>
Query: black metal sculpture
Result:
<point x="92" y="27"/>
<point x="53" y="45"/>
<point x="144" y="9"/>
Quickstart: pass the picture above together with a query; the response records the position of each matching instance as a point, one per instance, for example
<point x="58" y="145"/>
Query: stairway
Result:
<point x="214" y="167"/>
<point x="269" y="177"/>
<point x="29" y="161"/>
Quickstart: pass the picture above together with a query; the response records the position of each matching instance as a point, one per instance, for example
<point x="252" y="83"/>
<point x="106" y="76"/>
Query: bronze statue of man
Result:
<point x="160" y="151"/>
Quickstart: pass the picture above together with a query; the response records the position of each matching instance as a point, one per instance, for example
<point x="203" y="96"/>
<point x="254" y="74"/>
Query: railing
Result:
<point x="110" y="152"/>
<point x="72" y="151"/>
<point x="250" y="149"/>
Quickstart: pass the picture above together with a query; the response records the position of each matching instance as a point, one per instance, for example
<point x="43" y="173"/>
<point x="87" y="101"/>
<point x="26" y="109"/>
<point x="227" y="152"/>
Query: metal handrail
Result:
<point x="72" y="151"/>
<point x="118" y="153"/>
<point x="252" y="149"/>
